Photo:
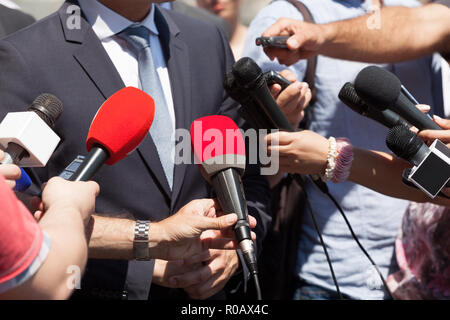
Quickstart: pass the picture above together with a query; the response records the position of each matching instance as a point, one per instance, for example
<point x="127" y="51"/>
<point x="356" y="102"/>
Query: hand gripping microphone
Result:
<point x="119" y="126"/>
<point x="431" y="170"/>
<point x="382" y="89"/>
<point x="219" y="148"/>
<point x="26" y="137"/>
<point x="386" y="117"/>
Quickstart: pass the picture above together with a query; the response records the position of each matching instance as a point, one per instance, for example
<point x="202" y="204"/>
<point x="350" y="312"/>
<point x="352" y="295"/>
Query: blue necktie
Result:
<point x="162" y="129"/>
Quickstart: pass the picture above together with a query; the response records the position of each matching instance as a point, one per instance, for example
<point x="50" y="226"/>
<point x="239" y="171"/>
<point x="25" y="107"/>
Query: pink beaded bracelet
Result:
<point x="344" y="160"/>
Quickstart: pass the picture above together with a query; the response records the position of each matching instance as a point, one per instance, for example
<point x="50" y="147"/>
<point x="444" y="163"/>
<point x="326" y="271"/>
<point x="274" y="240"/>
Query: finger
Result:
<point x="424" y="108"/>
<point x="38" y="215"/>
<point x="275" y="90"/>
<point x="204" y="291"/>
<point x="11" y="183"/>
<point x="443" y="135"/>
<point x="220" y="243"/>
<point x="10" y="171"/>
<point x="443" y="123"/>
<point x="2" y="155"/>
<point x="197" y="258"/>
<point x="288" y="74"/>
<point x="219" y="223"/>
<point x="191" y="278"/>
<point x="287" y="100"/>
<point x="94" y="187"/>
<point x="278" y="28"/>
<point x="278" y="138"/>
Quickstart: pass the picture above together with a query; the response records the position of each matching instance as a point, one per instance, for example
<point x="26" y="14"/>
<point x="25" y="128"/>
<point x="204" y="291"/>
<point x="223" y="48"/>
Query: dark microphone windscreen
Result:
<point x="403" y="142"/>
<point x="121" y="123"/>
<point x="48" y="107"/>
<point x="378" y="86"/>
<point x="247" y="72"/>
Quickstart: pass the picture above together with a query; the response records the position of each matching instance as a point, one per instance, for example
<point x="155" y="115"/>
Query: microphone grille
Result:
<point x="403" y="142"/>
<point x="349" y="96"/>
<point x="377" y="86"/>
<point x="247" y="72"/>
<point x="48" y="107"/>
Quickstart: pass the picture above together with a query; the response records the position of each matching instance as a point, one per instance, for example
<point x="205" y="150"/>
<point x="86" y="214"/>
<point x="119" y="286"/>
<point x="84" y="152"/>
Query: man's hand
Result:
<point x="294" y="99"/>
<point x="198" y="226"/>
<point x="201" y="276"/>
<point x="219" y="266"/>
<point x="10" y="172"/>
<point x="305" y="40"/>
<point x="303" y="152"/>
<point x="64" y="196"/>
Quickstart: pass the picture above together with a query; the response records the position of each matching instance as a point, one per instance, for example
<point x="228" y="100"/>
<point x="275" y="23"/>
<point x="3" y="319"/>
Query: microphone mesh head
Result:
<point x="247" y="72"/>
<point x="48" y="107"/>
<point x="349" y="96"/>
<point x="377" y="86"/>
<point x="403" y="142"/>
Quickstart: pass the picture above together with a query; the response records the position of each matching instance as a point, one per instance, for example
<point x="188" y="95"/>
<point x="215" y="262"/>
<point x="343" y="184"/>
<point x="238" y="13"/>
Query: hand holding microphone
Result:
<point x="10" y="172"/>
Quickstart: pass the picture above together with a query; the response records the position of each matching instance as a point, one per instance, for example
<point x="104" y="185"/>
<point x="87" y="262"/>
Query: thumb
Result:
<point x="219" y="223"/>
<point x="443" y="123"/>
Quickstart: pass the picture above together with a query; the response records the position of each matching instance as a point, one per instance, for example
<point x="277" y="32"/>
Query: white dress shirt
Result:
<point x="106" y="25"/>
<point x="9" y="4"/>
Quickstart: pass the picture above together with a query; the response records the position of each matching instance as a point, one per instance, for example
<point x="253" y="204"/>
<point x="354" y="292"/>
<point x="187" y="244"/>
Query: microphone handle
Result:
<point x="14" y="153"/>
<point x="228" y="186"/>
<point x="262" y="96"/>
<point x="91" y="164"/>
<point x="410" y="113"/>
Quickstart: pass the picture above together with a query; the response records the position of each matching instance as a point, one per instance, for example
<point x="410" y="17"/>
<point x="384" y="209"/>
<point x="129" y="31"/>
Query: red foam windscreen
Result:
<point x="121" y="123"/>
<point x="214" y="136"/>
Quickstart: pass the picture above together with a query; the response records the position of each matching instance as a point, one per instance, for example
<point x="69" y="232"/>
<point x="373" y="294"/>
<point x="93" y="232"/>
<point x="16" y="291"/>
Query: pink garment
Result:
<point x="423" y="254"/>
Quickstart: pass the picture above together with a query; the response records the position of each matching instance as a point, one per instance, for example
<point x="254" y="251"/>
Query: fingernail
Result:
<point x="437" y="117"/>
<point x="293" y="43"/>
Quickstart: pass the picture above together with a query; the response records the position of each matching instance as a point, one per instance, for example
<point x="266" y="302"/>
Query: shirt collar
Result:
<point x="106" y="23"/>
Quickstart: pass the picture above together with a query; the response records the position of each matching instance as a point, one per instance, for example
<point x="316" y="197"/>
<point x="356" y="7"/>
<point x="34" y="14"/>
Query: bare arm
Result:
<point x="403" y="34"/>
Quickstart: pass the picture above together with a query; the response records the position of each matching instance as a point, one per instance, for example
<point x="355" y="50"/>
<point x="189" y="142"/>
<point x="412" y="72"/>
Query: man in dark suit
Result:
<point x="12" y="20"/>
<point x="84" y="59"/>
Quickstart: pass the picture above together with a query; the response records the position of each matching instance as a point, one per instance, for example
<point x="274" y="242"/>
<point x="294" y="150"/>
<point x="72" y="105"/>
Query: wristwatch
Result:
<point x="140" y="243"/>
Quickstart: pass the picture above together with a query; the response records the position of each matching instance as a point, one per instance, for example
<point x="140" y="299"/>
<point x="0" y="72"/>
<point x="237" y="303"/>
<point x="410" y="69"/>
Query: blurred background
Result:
<point x="42" y="8"/>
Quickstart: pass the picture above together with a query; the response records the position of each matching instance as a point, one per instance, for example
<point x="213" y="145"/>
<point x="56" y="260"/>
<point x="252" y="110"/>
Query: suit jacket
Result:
<point x="202" y="14"/>
<point x="73" y="65"/>
<point x="12" y="20"/>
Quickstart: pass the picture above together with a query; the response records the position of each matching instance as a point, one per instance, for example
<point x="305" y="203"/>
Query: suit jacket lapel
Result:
<point x="95" y="61"/>
<point x="177" y="56"/>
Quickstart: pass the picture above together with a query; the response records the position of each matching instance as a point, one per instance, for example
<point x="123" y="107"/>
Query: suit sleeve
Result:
<point x="17" y="86"/>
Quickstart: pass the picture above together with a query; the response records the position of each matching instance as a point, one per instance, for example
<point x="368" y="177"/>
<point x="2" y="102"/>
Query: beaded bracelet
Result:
<point x="339" y="160"/>
<point x="331" y="160"/>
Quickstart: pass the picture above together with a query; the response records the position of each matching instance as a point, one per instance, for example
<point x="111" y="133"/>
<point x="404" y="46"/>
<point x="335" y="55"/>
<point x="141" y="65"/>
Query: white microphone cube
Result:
<point x="29" y="131"/>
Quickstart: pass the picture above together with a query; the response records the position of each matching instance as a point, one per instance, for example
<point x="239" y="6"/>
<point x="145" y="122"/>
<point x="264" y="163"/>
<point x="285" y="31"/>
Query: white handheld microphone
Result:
<point x="26" y="137"/>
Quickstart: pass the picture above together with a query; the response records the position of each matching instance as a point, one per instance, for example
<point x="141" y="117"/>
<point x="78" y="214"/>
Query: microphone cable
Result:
<point x="360" y="245"/>
<point x="300" y="181"/>
<point x="257" y="286"/>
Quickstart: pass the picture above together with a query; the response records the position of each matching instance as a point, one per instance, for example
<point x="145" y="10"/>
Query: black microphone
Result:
<point x="250" y="111"/>
<point x="250" y="77"/>
<point x="382" y="89"/>
<point x="48" y="108"/>
<point x="431" y="171"/>
<point x="349" y="96"/>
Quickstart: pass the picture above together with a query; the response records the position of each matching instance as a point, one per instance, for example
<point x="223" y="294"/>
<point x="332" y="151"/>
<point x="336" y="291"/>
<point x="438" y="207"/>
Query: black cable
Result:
<point x="257" y="287"/>
<point x="360" y="245"/>
<point x="299" y="179"/>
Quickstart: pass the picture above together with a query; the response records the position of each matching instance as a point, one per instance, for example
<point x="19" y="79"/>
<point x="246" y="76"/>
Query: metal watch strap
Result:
<point x="140" y="244"/>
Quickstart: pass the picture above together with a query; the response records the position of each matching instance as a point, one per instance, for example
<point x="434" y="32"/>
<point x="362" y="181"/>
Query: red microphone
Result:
<point x="219" y="147"/>
<point x="120" y="125"/>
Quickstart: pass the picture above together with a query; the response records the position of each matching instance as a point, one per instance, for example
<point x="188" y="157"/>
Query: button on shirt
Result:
<point x="106" y="25"/>
<point x="374" y="217"/>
